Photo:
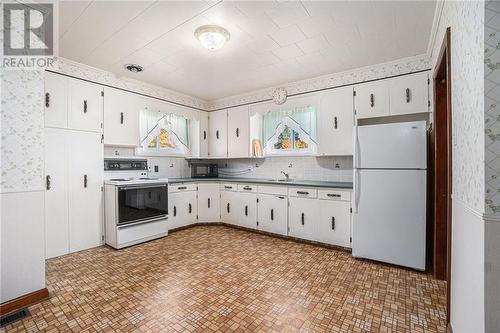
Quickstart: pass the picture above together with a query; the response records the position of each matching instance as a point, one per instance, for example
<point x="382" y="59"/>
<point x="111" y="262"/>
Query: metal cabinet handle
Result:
<point x="84" y="106"/>
<point x="85" y="181"/>
<point x="335" y="123"/>
<point x="47" y="182"/>
<point x="204" y="135"/>
<point x="182" y="188"/>
<point x="189" y="208"/>
<point x="302" y="192"/>
<point x="408" y="95"/>
<point x="372" y="100"/>
<point x="175" y="210"/>
<point x="333" y="222"/>
<point x="228" y="187"/>
<point x="333" y="195"/>
<point x="302" y="218"/>
<point x="272" y="214"/>
<point x="217" y="134"/>
<point x="247" y="188"/>
<point x="47" y="100"/>
<point x="208" y="202"/>
<point x="281" y="197"/>
<point x="237" y="132"/>
<point x="246" y="210"/>
<point x="121" y="117"/>
<point x="228" y="207"/>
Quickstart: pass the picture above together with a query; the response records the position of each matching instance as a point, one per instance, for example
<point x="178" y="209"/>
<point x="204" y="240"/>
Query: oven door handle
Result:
<point x="131" y="224"/>
<point x="139" y="186"/>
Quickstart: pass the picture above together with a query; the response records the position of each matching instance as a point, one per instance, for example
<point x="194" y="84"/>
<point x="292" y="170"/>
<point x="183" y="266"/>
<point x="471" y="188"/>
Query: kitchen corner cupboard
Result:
<point x="335" y="122"/>
<point x="182" y="205"/>
<point x="121" y="117"/>
<point x="72" y="103"/>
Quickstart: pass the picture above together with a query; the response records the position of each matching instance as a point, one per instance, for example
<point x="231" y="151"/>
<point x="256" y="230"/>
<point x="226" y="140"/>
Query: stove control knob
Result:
<point x="116" y="166"/>
<point x="133" y="165"/>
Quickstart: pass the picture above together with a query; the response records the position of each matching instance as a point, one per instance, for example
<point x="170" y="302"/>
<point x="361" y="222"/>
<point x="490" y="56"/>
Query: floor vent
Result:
<point x="12" y="317"/>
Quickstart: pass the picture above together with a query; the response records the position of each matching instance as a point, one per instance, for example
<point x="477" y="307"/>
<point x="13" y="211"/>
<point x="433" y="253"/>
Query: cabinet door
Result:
<point x="272" y="213"/>
<point x="85" y="106"/>
<point x="191" y="207"/>
<point x="229" y="207"/>
<point x="303" y="215"/>
<point x="121" y="118"/>
<point x="334" y="225"/>
<point x="208" y="202"/>
<point x="85" y="179"/>
<point x="217" y="139"/>
<point x="203" y="134"/>
<point x="174" y="210"/>
<point x="56" y="100"/>
<point x="237" y="132"/>
<point x="246" y="216"/>
<point x="372" y="99"/>
<point x="409" y="94"/>
<point x="56" y="193"/>
<point x="335" y="122"/>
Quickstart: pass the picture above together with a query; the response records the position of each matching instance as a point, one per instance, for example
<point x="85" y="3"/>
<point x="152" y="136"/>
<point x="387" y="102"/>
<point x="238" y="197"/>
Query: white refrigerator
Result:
<point x="389" y="209"/>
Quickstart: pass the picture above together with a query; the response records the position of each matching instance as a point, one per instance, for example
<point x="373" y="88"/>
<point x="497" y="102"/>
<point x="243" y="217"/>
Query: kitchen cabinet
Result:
<point x="272" y="213"/>
<point x="203" y="151"/>
<point x="229" y="203"/>
<point x="56" y="100"/>
<point x="247" y="210"/>
<point x="238" y="132"/>
<point x="217" y="139"/>
<point x="334" y="223"/>
<point x="409" y="94"/>
<point x="85" y="179"/>
<point x="73" y="196"/>
<point x="208" y="202"/>
<point x="121" y="117"/>
<point x="303" y="215"/>
<point x="335" y="122"/>
<point x="372" y="99"/>
<point x="85" y="111"/>
<point x="182" y="205"/>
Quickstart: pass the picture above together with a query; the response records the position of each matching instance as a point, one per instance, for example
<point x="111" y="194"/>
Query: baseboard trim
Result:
<point x="23" y="301"/>
<point x="449" y="329"/>
<point x="289" y="238"/>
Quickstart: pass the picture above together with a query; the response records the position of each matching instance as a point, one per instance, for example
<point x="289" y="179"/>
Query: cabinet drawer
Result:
<point x="268" y="189"/>
<point x="303" y="192"/>
<point x="181" y="187"/>
<point x="247" y="188"/>
<point x="334" y="195"/>
<point x="228" y="187"/>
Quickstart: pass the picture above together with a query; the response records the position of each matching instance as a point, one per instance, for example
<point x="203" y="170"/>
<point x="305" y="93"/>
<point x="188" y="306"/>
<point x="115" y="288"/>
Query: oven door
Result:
<point x="142" y="203"/>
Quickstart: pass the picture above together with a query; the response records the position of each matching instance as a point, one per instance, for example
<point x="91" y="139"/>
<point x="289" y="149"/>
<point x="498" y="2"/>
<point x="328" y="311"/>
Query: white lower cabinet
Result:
<point x="272" y="213"/>
<point x="334" y="224"/>
<point x="229" y="204"/>
<point x="303" y="218"/>
<point x="182" y="207"/>
<point x="73" y="196"/>
<point x="208" y="202"/>
<point x="247" y="210"/>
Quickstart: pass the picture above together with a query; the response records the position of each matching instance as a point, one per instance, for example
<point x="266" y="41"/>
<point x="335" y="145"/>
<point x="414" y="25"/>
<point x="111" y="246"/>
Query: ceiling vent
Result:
<point x="133" y="68"/>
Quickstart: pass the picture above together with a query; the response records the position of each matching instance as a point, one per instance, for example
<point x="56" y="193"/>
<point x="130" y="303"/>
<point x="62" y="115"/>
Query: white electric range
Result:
<point x="135" y="205"/>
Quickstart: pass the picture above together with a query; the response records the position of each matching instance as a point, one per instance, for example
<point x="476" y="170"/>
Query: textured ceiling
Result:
<point x="271" y="42"/>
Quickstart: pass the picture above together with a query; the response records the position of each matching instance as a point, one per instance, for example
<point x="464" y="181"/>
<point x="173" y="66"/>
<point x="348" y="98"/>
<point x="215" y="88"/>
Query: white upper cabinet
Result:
<point x="335" y="122"/>
<point x="121" y="117"/>
<point x="372" y="99"/>
<point x="217" y="138"/>
<point x="409" y="94"/>
<point x="203" y="151"/>
<point x="238" y="132"/>
<point x="85" y="106"/>
<point x="56" y="100"/>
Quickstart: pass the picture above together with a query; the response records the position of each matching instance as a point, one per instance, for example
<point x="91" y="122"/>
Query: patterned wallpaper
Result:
<point x="466" y="20"/>
<point x="400" y="66"/>
<point x="492" y="107"/>
<point x="22" y="131"/>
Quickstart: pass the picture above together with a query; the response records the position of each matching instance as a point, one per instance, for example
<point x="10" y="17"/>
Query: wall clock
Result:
<point x="279" y="96"/>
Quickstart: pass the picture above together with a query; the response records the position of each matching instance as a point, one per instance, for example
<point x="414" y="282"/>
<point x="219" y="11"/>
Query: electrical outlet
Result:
<point x="157" y="168"/>
<point x="337" y="166"/>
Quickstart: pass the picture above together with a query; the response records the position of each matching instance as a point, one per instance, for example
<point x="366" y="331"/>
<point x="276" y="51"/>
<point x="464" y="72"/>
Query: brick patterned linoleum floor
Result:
<point x="219" y="279"/>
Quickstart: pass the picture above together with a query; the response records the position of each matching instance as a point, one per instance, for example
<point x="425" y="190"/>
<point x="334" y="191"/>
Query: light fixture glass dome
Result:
<point x="212" y="37"/>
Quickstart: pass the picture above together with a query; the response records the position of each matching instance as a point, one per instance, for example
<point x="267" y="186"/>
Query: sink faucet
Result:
<point x="286" y="175"/>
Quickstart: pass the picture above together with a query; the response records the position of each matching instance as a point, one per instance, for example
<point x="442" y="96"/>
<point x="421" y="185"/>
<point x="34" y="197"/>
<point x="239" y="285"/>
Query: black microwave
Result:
<point x="204" y="170"/>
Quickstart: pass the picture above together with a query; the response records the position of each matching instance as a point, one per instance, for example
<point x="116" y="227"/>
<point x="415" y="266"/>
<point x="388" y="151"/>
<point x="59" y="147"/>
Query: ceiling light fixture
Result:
<point x="133" y="68"/>
<point x="212" y="37"/>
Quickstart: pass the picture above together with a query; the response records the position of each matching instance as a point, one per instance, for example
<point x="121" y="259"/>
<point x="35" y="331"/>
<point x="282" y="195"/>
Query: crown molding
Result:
<point x="379" y="71"/>
<point x="79" y="70"/>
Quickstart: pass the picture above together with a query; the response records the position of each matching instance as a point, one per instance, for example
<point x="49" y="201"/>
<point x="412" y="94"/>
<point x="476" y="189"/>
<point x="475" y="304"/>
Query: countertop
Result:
<point x="298" y="182"/>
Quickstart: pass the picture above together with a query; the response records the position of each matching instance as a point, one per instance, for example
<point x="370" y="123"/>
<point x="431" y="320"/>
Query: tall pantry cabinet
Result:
<point x="73" y="165"/>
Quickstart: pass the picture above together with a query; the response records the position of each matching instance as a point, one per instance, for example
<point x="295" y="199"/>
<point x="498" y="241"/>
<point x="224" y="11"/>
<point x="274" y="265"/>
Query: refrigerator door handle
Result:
<point x="356" y="190"/>
<point x="356" y="147"/>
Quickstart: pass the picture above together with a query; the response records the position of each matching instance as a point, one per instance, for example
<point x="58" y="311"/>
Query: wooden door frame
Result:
<point x="443" y="180"/>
